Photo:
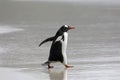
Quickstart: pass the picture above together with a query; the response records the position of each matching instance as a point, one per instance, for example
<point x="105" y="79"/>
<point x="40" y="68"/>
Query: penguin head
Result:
<point x="63" y="29"/>
<point x="66" y="28"/>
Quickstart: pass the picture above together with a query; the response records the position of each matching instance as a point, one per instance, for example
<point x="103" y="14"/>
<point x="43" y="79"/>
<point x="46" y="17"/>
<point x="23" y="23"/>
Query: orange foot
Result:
<point x="68" y="66"/>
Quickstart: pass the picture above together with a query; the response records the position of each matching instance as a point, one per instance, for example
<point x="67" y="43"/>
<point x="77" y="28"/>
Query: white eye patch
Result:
<point x="66" y="26"/>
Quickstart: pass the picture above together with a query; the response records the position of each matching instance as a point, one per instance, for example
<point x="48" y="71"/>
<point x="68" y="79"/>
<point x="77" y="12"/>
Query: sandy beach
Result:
<point x="93" y="47"/>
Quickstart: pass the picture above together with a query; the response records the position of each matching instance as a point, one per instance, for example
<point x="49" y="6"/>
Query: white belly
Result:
<point x="64" y="47"/>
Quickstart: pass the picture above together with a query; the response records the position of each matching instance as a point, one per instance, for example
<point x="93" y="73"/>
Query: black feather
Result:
<point x="46" y="40"/>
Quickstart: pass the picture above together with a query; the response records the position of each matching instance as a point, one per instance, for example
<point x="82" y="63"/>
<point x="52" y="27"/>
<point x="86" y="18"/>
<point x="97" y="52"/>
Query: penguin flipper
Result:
<point x="46" y="40"/>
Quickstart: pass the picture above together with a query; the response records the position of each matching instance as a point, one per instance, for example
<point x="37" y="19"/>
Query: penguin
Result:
<point x="59" y="46"/>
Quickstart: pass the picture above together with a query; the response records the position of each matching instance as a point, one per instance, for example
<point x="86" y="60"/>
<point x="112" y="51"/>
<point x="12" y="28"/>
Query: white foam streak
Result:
<point x="8" y="29"/>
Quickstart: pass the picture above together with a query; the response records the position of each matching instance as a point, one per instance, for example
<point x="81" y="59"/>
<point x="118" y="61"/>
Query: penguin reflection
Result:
<point x="57" y="74"/>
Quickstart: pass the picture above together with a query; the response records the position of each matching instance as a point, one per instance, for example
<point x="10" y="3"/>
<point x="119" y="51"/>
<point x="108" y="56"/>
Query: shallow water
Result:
<point x="93" y="47"/>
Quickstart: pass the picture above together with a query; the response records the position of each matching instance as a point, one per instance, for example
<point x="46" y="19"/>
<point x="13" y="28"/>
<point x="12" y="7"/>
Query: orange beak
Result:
<point x="71" y="27"/>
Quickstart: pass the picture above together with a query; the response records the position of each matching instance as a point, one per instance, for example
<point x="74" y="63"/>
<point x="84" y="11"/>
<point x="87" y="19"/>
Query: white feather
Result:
<point x="59" y="38"/>
<point x="64" y="47"/>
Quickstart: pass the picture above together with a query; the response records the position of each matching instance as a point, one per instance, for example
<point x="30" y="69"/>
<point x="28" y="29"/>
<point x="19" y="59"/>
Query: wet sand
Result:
<point x="93" y="47"/>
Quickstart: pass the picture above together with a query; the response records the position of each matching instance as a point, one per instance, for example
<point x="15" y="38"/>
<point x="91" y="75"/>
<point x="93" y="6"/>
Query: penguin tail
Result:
<point x="45" y="63"/>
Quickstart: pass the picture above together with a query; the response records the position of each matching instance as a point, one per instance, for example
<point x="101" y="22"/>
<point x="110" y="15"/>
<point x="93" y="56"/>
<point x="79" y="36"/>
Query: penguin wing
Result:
<point x="46" y="40"/>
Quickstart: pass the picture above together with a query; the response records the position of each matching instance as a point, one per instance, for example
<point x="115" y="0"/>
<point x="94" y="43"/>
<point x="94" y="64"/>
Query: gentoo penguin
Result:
<point x="59" y="46"/>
